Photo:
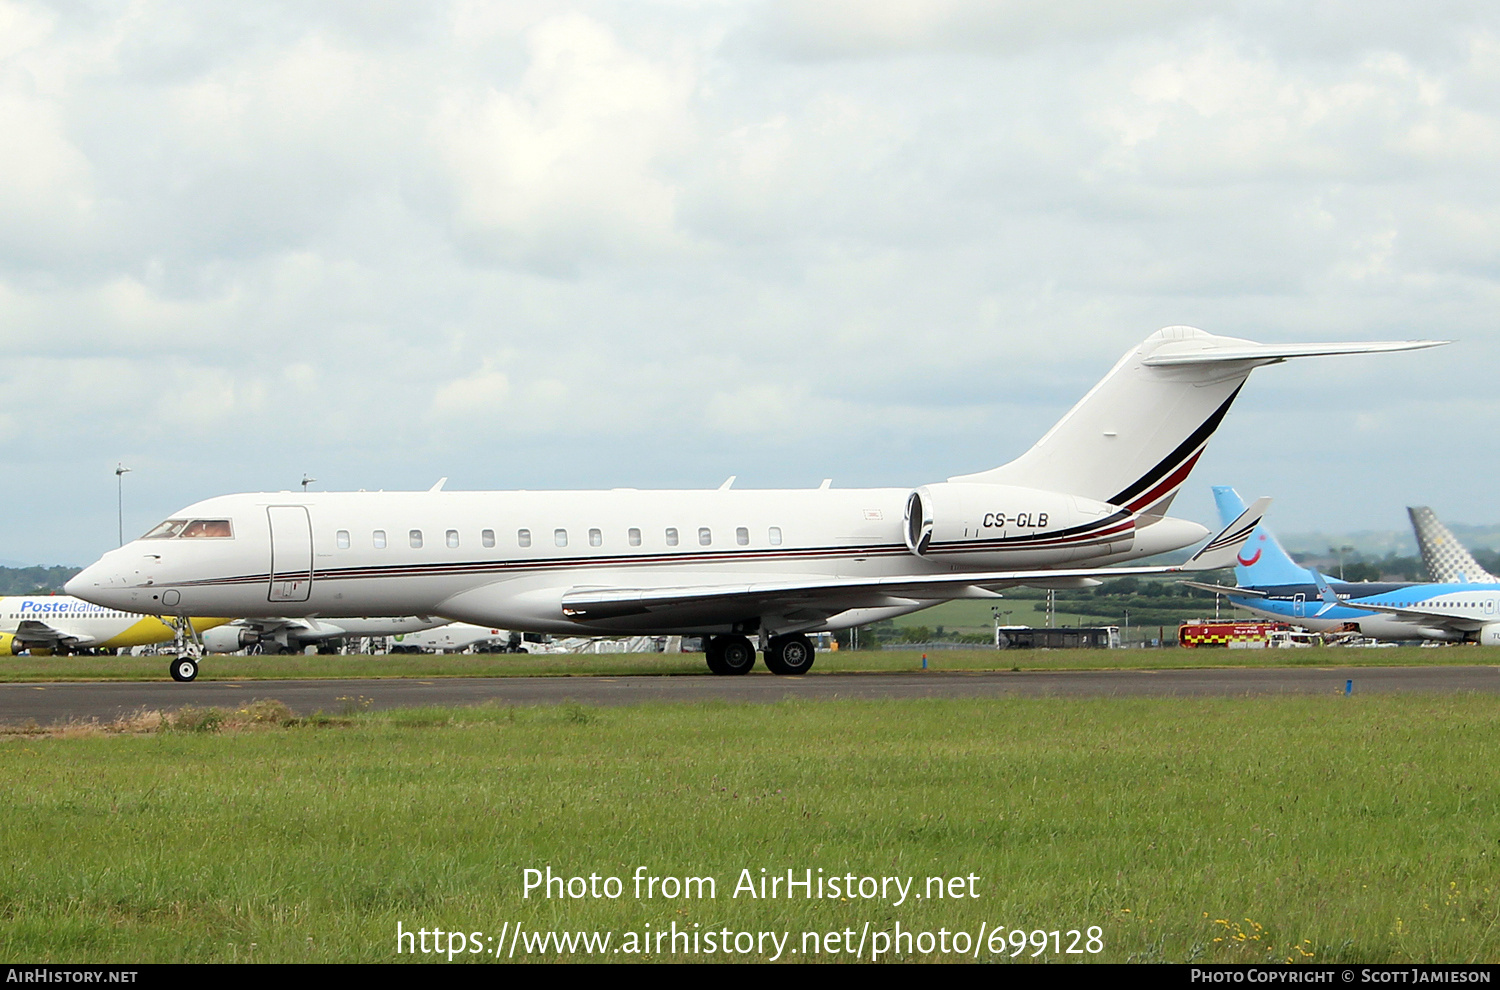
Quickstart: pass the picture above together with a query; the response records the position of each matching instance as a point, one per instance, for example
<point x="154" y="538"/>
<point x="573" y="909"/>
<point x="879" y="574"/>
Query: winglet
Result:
<point x="1223" y="548"/>
<point x="1330" y="600"/>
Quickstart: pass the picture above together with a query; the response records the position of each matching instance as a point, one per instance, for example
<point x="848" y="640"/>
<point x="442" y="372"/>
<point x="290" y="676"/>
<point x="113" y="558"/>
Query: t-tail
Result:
<point x="1133" y="439"/>
<point x="1261" y="562"/>
<point x="1446" y="560"/>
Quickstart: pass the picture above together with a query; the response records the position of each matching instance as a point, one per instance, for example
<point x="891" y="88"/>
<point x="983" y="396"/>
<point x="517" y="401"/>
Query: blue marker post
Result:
<point x="924" y="661"/>
<point x="1348" y="687"/>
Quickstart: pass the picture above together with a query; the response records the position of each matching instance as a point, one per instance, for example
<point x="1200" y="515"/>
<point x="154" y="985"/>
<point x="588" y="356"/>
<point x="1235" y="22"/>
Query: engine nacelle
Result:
<point x="7" y="645"/>
<point x="229" y="639"/>
<point x="1006" y="525"/>
<point x="1490" y="635"/>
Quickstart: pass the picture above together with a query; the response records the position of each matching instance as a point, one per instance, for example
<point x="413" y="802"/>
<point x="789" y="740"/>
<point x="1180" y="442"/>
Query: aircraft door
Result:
<point x="1299" y="605"/>
<point x="291" y="553"/>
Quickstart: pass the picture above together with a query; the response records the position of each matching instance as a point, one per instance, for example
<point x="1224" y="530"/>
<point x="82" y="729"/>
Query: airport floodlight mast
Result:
<point x="120" y="472"/>
<point x="306" y="480"/>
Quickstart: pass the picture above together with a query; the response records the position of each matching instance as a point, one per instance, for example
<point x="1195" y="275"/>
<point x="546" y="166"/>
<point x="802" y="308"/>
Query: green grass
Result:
<point x="1321" y="828"/>
<point x="235" y="668"/>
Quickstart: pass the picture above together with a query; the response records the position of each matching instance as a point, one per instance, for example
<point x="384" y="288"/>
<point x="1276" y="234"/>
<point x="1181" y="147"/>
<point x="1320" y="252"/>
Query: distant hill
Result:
<point x="29" y="580"/>
<point x="1387" y="542"/>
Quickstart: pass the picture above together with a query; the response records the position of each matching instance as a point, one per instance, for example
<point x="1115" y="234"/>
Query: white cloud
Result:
<point x="885" y="241"/>
<point x="567" y="164"/>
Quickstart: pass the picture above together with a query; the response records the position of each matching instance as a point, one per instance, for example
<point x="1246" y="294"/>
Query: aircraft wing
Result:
<point x="816" y="598"/>
<point x="34" y="633"/>
<point x="305" y="629"/>
<point x="1224" y="589"/>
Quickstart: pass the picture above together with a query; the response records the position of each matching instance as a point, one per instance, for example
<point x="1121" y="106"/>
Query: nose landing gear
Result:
<point x="189" y="644"/>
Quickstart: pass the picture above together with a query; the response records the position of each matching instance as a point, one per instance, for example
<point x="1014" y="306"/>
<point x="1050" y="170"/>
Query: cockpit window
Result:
<point x="208" y="529"/>
<point x="192" y="529"/>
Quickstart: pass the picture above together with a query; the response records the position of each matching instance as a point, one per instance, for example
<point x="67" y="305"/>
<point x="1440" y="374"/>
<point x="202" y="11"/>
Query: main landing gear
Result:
<point x="787" y="655"/>
<point x="184" y="668"/>
<point x="730" y="654"/>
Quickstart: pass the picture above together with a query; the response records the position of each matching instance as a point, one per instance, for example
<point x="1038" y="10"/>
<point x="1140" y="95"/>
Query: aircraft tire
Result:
<point x="184" y="669"/>
<point x="713" y="652"/>
<point x="729" y="655"/>
<point x="790" y="656"/>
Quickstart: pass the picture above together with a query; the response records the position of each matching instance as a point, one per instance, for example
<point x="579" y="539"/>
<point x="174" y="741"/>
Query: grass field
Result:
<point x="22" y="669"/>
<point x="1304" y="828"/>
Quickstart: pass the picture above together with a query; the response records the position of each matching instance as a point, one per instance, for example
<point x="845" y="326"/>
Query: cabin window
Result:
<point x="523" y="537"/>
<point x="560" y="537"/>
<point x="775" y="536"/>
<point x="704" y="536"/>
<point x="487" y="537"/>
<point x="671" y="536"/>
<point x="635" y="537"/>
<point x="342" y="539"/>
<point x="416" y="539"/>
<point x="379" y="539"/>
<point x="742" y="536"/>
<point x="596" y="538"/>
<point x="452" y="536"/>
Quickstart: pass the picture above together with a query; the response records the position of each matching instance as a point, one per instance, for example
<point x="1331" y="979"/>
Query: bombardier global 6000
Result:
<point x="725" y="564"/>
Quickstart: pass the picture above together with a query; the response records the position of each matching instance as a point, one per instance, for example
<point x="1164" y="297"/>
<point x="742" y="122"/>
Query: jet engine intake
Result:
<point x="1012" y="525"/>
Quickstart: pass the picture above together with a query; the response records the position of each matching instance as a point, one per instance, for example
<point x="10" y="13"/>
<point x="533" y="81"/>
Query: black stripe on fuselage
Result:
<point x="499" y="567"/>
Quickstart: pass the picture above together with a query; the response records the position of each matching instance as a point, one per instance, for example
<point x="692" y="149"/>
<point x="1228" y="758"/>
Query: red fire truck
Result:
<point x="1193" y="634"/>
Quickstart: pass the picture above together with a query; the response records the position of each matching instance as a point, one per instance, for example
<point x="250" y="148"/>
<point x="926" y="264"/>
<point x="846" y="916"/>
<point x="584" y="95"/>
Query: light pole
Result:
<point x="306" y="481"/>
<point x="120" y="472"/>
<point x="1127" y="628"/>
<point x="999" y="615"/>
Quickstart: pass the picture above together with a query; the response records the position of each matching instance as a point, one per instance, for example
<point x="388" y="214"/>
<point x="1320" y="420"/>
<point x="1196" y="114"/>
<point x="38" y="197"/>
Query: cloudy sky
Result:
<point x="532" y="245"/>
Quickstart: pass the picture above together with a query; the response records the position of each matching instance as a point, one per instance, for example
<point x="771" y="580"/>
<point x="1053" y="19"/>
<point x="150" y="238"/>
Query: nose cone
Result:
<point x="100" y="583"/>
<point x="79" y="583"/>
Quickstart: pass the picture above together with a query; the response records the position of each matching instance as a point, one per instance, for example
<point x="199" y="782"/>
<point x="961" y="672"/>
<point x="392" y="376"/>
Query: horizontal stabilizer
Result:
<point x="1221" y="350"/>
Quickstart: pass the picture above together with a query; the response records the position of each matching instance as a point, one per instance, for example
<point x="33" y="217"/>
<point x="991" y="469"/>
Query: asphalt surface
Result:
<point x="46" y="704"/>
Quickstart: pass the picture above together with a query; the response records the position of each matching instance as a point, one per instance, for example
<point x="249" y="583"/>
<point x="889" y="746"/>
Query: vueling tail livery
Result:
<point x="1447" y="561"/>
<point x="727" y="564"/>
<point x="65" y="624"/>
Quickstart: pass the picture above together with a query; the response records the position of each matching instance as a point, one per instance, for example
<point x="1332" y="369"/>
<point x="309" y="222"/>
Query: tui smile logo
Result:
<point x="1253" y="557"/>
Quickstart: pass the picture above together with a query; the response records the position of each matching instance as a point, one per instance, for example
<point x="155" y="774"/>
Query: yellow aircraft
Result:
<point x="64" y="624"/>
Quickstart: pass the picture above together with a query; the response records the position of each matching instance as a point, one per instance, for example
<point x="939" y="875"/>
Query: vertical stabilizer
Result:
<point x="1132" y="440"/>
<point x="1261" y="562"/>
<point x="1446" y="560"/>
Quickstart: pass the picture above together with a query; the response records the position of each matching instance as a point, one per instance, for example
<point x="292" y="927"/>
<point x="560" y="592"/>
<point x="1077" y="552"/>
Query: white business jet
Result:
<point x="726" y="564"/>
